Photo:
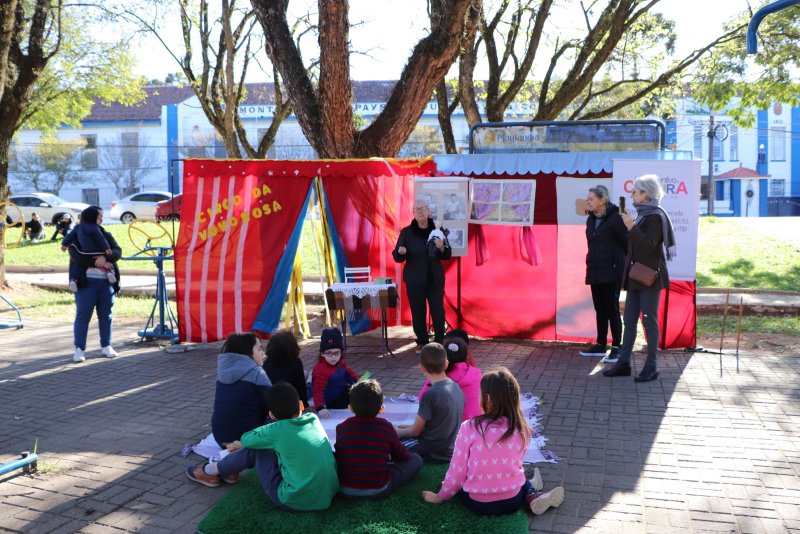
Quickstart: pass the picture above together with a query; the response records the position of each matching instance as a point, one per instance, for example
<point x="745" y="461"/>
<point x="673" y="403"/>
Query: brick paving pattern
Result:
<point x="691" y="452"/>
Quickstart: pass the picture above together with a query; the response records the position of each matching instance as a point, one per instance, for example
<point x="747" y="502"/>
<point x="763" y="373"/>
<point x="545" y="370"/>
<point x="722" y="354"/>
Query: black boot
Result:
<point x="647" y="375"/>
<point x="619" y="369"/>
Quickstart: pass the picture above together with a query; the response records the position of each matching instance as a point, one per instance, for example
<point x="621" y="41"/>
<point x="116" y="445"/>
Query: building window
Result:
<point x="777" y="143"/>
<point x="130" y="150"/>
<point x="776" y="187"/>
<point x="719" y="153"/>
<point x="698" y="140"/>
<point x="89" y="155"/>
<point x="733" y="143"/>
<point x="91" y="196"/>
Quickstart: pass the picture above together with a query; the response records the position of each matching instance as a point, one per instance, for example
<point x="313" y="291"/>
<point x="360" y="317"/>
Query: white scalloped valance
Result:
<point x="547" y="163"/>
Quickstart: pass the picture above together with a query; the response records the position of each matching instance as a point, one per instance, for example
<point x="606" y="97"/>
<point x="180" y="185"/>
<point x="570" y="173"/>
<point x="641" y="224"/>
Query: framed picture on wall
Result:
<point x="448" y="199"/>
<point x="506" y="202"/>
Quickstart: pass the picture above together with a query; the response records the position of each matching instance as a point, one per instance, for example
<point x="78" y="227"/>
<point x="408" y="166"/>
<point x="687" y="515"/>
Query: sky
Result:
<point x="399" y="26"/>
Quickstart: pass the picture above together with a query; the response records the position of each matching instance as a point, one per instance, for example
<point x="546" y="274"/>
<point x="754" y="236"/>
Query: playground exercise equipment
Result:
<point x="758" y="16"/>
<point x="160" y="330"/>
<point x="12" y="324"/>
<point x="26" y="461"/>
<point x="6" y="209"/>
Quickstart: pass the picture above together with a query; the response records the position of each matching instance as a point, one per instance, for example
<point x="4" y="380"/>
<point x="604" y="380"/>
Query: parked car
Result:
<point x="46" y="205"/>
<point x="170" y="209"/>
<point x="141" y="205"/>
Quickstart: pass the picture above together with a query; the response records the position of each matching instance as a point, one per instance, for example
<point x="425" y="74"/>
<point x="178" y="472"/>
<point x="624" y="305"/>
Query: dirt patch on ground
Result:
<point x="754" y="342"/>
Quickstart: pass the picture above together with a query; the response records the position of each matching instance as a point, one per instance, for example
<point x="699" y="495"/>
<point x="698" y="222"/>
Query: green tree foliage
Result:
<point x="53" y="68"/>
<point x="738" y="83"/>
<point x="619" y="63"/>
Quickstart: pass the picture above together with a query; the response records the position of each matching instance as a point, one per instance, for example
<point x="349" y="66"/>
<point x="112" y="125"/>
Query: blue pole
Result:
<point x="758" y="16"/>
<point x="16" y="464"/>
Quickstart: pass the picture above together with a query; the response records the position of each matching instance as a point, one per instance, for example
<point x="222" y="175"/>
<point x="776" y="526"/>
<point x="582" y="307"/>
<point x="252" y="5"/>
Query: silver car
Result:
<point x="141" y="205"/>
<point x="46" y="205"/>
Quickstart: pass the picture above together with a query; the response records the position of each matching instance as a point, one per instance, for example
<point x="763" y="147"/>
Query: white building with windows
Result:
<point x="770" y="148"/>
<point x="139" y="146"/>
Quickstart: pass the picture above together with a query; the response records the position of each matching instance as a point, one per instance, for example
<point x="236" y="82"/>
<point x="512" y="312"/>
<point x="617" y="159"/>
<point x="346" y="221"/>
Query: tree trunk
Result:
<point x="335" y="90"/>
<point x="284" y="54"/>
<point x="444" y="114"/>
<point x="325" y="122"/>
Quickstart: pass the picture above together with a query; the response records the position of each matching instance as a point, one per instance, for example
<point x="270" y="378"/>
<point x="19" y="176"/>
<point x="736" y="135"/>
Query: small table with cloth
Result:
<point x="346" y="300"/>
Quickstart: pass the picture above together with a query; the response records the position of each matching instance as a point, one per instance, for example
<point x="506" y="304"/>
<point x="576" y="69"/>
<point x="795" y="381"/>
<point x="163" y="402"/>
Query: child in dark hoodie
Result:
<point x="240" y="402"/>
<point x="87" y="237"/>
<point x="331" y="377"/>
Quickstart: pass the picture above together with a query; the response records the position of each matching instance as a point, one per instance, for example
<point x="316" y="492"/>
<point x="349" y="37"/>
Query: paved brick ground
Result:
<point x="692" y="452"/>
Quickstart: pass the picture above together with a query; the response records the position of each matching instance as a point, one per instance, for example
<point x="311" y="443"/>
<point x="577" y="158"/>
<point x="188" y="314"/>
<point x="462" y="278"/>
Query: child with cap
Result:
<point x="331" y="377"/>
<point x="462" y="370"/>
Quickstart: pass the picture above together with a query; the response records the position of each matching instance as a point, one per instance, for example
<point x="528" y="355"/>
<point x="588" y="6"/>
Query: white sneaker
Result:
<point x="109" y="352"/>
<point x="78" y="357"/>
<point x="111" y="278"/>
<point x="73" y="286"/>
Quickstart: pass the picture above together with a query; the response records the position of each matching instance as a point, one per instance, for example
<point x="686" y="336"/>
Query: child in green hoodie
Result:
<point x="292" y="456"/>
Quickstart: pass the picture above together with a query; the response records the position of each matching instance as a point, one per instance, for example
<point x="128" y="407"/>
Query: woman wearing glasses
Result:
<point x="423" y="274"/>
<point x="648" y="237"/>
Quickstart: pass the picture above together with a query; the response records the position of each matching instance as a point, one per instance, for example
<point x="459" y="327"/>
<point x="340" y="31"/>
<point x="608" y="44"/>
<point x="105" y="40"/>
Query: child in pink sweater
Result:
<point x="486" y="468"/>
<point x="462" y="370"/>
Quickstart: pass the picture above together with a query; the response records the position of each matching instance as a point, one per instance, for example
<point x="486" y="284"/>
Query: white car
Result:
<point x="141" y="205"/>
<point x="46" y="205"/>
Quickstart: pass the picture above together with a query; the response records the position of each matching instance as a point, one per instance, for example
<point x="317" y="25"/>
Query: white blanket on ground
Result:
<point x="402" y="411"/>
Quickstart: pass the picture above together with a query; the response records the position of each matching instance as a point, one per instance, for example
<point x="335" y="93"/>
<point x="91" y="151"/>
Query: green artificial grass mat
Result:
<point x="246" y="509"/>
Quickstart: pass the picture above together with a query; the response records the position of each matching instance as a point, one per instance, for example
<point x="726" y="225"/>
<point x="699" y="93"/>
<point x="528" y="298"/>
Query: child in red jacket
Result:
<point x="332" y="377"/>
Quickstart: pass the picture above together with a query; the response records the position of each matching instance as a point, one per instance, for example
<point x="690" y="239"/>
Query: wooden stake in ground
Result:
<point x="722" y="336"/>
<point x="739" y="331"/>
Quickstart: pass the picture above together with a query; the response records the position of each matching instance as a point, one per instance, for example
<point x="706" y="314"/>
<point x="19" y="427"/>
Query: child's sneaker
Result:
<point x="197" y="474"/>
<point x="109" y="352"/>
<point x="541" y="502"/>
<point x="111" y="278"/>
<point x="73" y="286"/>
<point x="78" y="357"/>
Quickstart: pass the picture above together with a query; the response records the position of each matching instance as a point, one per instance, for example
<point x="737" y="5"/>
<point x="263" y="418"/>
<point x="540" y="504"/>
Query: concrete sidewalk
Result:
<point x="691" y="452"/>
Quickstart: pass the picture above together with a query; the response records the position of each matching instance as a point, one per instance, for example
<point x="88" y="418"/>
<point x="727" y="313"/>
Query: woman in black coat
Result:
<point x="607" y="241"/>
<point x="651" y="242"/>
<point x="423" y="273"/>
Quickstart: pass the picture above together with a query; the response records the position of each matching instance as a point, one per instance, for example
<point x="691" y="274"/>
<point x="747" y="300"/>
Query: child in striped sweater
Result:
<point x="371" y="459"/>
<point x="486" y="468"/>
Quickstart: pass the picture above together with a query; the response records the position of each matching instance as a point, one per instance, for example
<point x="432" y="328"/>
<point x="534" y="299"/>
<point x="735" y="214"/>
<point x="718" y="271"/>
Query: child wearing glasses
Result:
<point x="331" y="377"/>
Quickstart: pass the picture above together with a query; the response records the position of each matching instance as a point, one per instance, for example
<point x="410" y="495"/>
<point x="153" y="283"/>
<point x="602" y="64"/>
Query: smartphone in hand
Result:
<point x="622" y="205"/>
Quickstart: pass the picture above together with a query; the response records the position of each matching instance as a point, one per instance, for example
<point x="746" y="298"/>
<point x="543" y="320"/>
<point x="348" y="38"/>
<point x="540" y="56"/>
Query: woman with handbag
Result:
<point x="645" y="274"/>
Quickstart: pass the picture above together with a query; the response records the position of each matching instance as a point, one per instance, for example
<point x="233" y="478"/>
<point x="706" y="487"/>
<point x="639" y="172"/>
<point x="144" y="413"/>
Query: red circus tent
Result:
<point x="235" y="277"/>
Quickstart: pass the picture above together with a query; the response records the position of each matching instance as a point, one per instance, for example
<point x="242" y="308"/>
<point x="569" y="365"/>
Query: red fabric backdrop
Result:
<point x="236" y="219"/>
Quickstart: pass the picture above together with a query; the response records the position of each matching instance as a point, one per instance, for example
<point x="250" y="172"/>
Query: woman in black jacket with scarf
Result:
<point x="606" y="237"/>
<point x="651" y="241"/>
<point x="423" y="274"/>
